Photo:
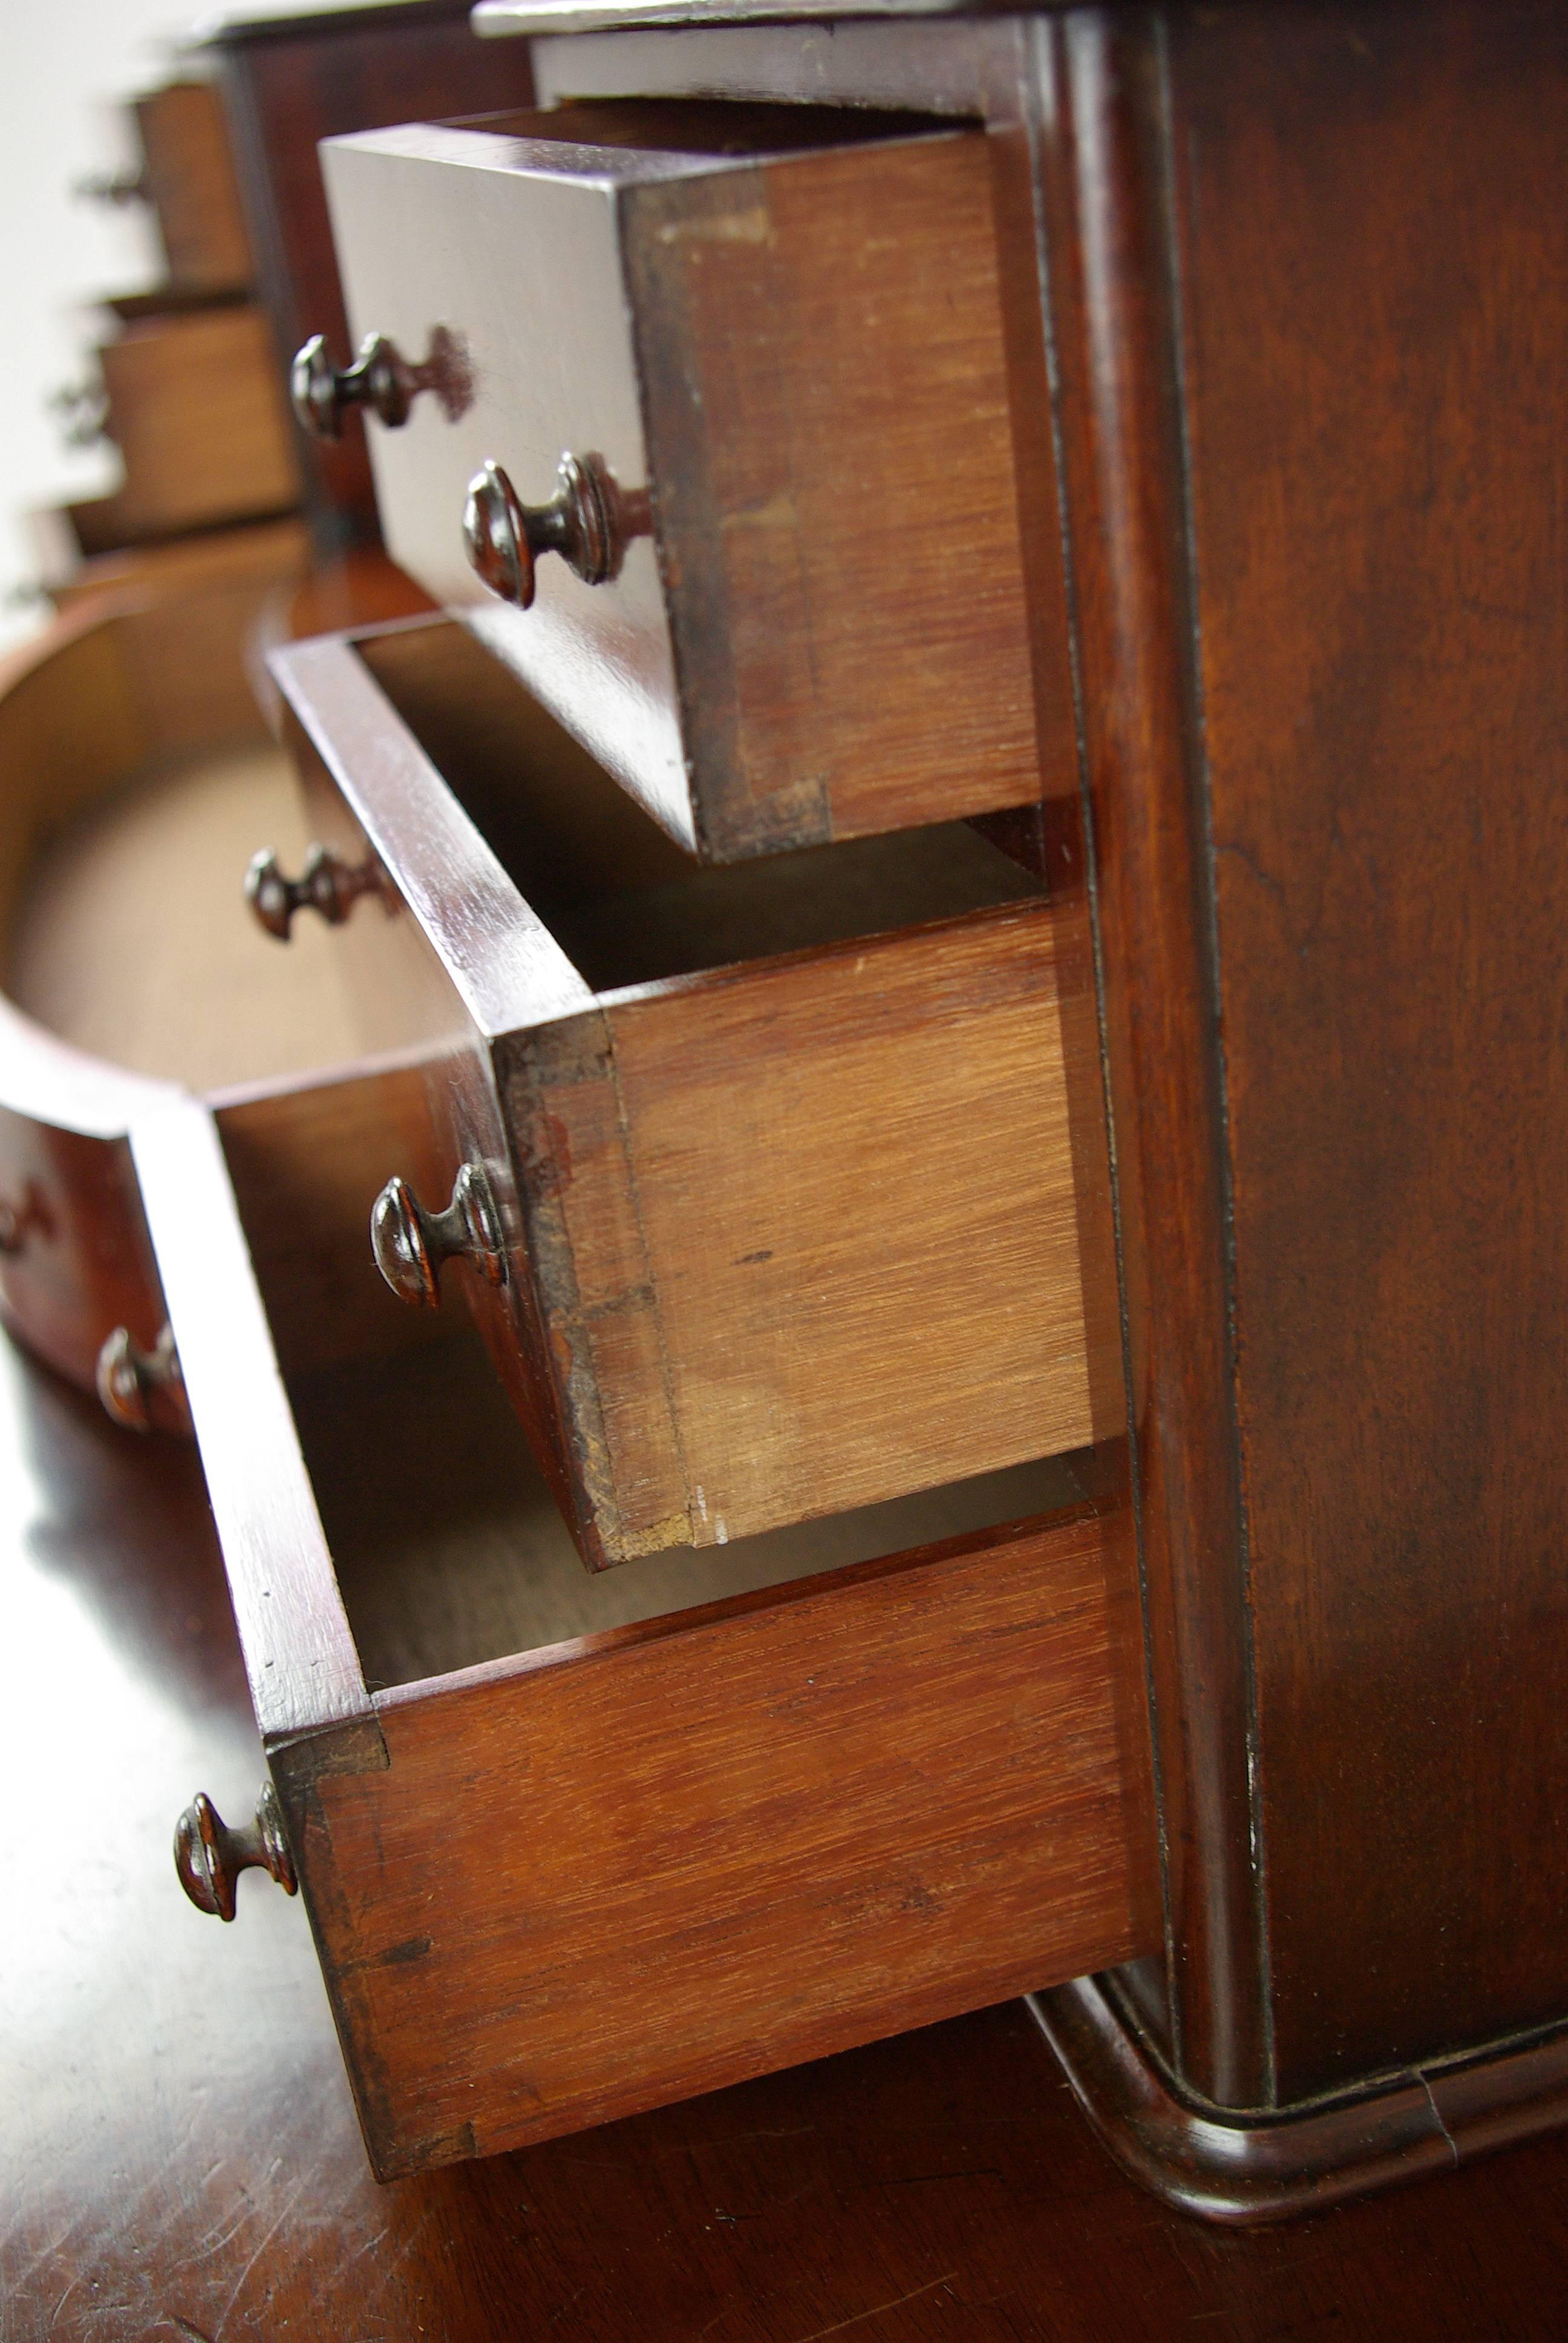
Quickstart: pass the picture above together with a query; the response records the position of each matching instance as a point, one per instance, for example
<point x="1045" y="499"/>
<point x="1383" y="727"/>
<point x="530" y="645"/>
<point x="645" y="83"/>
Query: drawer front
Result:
<point x="575" y="1881"/>
<point x="196" y="412"/>
<point x="699" y="1852"/>
<point x="792" y="367"/>
<point x="189" y="177"/>
<point x="786" y="1236"/>
<point x="74" y="1259"/>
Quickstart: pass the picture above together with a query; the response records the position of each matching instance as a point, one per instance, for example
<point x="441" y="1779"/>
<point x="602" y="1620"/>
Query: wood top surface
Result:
<point x="181" y="2160"/>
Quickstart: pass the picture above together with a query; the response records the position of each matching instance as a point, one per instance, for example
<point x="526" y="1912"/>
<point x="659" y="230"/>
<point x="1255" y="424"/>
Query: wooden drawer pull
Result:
<point x="326" y="884"/>
<point x="587" y="522"/>
<point x="380" y="378"/>
<point x="140" y="1389"/>
<point x="410" y="1243"/>
<point x="209" y="1856"/>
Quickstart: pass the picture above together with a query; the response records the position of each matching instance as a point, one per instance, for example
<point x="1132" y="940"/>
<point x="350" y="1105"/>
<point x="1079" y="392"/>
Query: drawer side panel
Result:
<point x="825" y="376"/>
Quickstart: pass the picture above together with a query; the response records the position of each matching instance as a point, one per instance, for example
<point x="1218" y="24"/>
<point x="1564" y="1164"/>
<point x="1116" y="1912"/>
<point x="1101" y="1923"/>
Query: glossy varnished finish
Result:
<point x="181" y="2157"/>
<point x="1321" y="627"/>
<point x="288" y="83"/>
<point x="1113" y="328"/>
<point x="1388" y="925"/>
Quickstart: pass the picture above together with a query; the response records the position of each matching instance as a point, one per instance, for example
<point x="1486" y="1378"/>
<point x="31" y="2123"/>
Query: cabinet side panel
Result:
<point x="1376" y="303"/>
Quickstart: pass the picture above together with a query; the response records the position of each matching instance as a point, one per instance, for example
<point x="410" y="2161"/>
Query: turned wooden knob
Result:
<point x="379" y="378"/>
<point x="326" y="884"/>
<point x="140" y="1387"/>
<point x="410" y="1243"/>
<point x="209" y="1856"/>
<point x="582" y="522"/>
<point x="116" y="187"/>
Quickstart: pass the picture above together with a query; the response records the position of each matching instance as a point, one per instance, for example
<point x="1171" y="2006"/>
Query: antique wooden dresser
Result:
<point x="958" y="939"/>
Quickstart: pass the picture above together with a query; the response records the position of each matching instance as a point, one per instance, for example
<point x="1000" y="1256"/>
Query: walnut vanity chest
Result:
<point x="961" y="935"/>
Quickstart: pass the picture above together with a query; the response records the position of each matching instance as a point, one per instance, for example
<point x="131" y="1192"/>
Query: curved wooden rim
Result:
<point x="42" y="1075"/>
<point x="1245" y="2167"/>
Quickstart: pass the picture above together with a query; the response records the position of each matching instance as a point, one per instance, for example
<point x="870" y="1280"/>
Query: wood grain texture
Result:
<point x="892" y="1795"/>
<point x="822" y="1229"/>
<point x="288" y="83"/>
<point x="811" y="372"/>
<point x="195" y="408"/>
<point x="1246" y="2169"/>
<point x="188" y="178"/>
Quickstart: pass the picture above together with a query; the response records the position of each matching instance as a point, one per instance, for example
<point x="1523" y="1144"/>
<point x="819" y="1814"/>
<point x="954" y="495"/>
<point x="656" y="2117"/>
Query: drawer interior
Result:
<point x="625" y="903"/>
<point x="449" y="1550"/>
<point x="742" y="127"/>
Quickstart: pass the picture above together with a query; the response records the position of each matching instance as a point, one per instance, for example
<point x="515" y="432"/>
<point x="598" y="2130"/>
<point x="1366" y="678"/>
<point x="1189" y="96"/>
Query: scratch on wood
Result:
<point x="861" y="2316"/>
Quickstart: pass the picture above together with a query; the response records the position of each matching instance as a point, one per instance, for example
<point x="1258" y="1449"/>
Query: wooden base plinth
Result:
<point x="1245" y="2167"/>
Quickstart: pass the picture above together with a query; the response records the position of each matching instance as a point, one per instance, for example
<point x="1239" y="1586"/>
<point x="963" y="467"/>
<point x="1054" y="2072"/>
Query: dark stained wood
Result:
<point x="1397" y="2128"/>
<point x="287" y="84"/>
<point x="778" y="659"/>
<point x="1105" y="196"/>
<point x="302" y="1669"/>
<point x="180" y="2155"/>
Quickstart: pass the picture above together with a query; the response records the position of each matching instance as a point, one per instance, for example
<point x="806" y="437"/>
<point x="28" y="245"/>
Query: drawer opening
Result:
<point x="625" y="903"/>
<point x="743" y="127"/>
<point x="449" y="1550"/>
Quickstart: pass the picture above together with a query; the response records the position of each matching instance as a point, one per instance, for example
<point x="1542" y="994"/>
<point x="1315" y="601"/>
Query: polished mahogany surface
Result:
<point x="179" y="2157"/>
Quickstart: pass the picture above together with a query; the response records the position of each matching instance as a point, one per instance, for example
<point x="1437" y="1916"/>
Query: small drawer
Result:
<point x="787" y="600"/>
<point x="194" y="407"/>
<point x="189" y="177"/>
<point x="775" y="1159"/>
<point x="571" y="1848"/>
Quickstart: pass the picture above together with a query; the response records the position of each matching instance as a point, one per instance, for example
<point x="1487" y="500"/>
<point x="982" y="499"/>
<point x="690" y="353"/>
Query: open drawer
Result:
<point x="760" y="1176"/>
<point x="572" y="1846"/>
<point x="744" y="366"/>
